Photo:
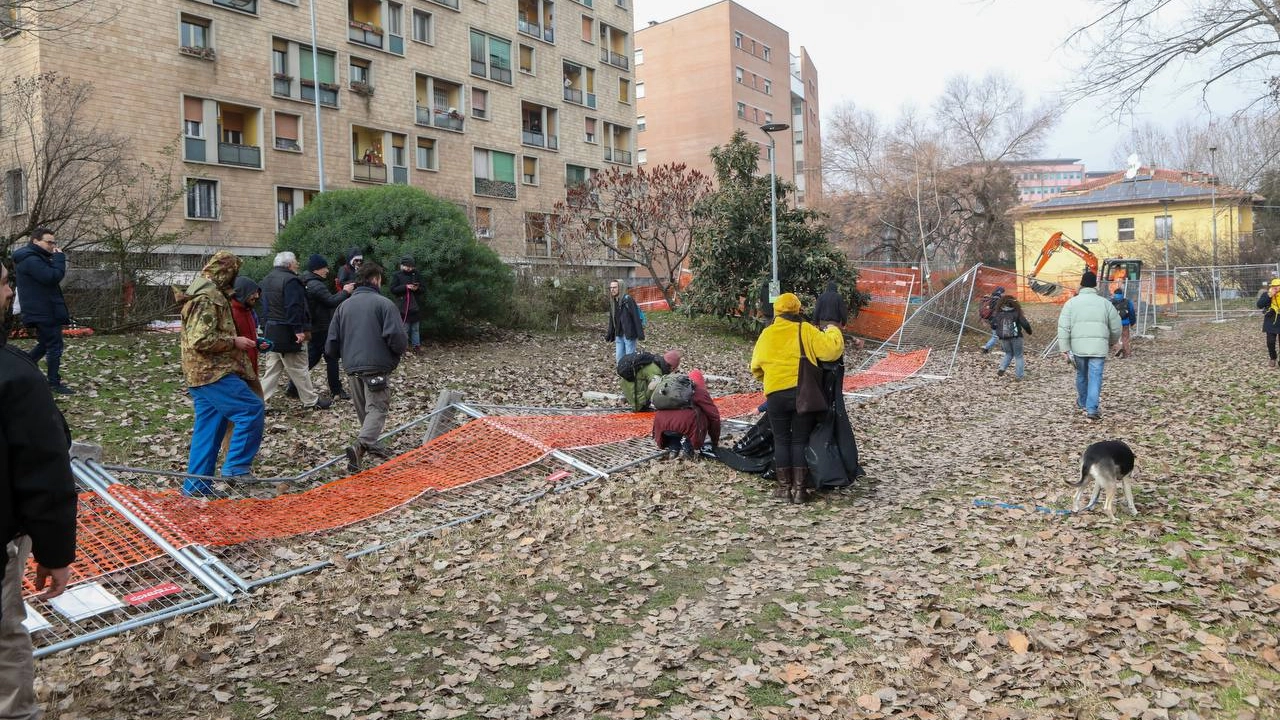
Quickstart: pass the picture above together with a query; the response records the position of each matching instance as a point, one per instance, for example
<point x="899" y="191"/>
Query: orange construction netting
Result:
<point x="480" y="449"/>
<point x="891" y="292"/>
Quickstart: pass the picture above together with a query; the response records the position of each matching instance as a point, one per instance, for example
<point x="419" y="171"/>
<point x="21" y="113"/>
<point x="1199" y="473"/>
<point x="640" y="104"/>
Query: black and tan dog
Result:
<point x="1108" y="462"/>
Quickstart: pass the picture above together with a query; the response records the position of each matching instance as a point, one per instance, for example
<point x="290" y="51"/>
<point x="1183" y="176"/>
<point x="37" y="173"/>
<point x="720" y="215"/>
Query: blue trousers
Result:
<point x="228" y="400"/>
<point x="1089" y="382"/>
<point x="48" y="346"/>
<point x="622" y="346"/>
<point x="992" y="341"/>
<point x="414" y="331"/>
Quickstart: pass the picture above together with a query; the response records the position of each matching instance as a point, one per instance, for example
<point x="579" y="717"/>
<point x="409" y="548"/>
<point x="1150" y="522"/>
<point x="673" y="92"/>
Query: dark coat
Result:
<point x="37" y="492"/>
<point x="346" y="273"/>
<point x="367" y="333"/>
<point x="1270" y="321"/>
<point x="40" y="274"/>
<point x="624" y="319"/>
<point x="406" y="299"/>
<point x="285" y="298"/>
<point x="697" y="423"/>
<point x="321" y="302"/>
<point x="831" y="308"/>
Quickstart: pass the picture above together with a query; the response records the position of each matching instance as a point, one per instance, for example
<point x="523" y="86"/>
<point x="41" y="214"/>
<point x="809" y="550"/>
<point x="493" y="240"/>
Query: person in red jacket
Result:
<point x="684" y="431"/>
<point x="246" y="298"/>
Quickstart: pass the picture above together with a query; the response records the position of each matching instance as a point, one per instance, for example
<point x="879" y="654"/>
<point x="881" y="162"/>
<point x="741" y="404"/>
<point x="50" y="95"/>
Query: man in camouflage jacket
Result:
<point x="215" y="363"/>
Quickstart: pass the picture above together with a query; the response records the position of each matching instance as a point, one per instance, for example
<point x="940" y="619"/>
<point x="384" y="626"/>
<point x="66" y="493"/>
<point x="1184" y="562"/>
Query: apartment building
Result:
<point x="495" y="105"/>
<point x="1044" y="178"/>
<point x="702" y="75"/>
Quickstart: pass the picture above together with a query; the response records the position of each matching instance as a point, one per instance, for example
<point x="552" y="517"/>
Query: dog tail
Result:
<point x="1086" y="465"/>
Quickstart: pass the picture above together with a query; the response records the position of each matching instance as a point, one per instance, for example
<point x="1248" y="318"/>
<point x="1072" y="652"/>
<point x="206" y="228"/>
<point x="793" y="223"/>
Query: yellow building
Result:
<point x="1139" y="217"/>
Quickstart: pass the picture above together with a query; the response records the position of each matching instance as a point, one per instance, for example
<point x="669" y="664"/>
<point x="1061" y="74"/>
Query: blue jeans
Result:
<point x="414" y="332"/>
<point x="1089" y="382"/>
<point x="1013" y="351"/>
<point x="992" y="342"/>
<point x="622" y="346"/>
<point x="48" y="346"/>
<point x="228" y="400"/>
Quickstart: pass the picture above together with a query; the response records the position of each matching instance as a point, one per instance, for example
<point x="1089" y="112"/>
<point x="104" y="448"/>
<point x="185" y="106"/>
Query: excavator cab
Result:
<point x="1120" y="274"/>
<point x="1116" y="273"/>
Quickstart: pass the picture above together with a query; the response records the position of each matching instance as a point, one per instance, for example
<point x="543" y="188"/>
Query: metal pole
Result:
<point x="1213" y="187"/>
<point x="773" y="205"/>
<point x="1168" y="230"/>
<point x="315" y="77"/>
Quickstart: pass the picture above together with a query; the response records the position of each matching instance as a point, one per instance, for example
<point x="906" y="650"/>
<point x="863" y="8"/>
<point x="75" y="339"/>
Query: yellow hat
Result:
<point x="786" y="303"/>
<point x="1275" y="282"/>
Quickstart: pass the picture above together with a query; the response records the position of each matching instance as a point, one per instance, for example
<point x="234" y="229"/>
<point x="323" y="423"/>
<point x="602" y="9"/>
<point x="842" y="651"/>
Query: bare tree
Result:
<point x="646" y="215"/>
<point x="990" y="119"/>
<point x="64" y="163"/>
<point x="1245" y="146"/>
<point x="1132" y="42"/>
<point x="47" y="18"/>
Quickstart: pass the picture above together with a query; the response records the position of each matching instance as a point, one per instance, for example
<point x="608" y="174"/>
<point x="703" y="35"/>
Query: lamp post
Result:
<point x="1213" y="187"/>
<point x="315" y="77"/>
<point x="769" y="129"/>
<point x="1168" y="230"/>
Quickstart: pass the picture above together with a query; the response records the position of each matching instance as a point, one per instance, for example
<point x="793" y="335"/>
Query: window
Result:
<point x="639" y="56"/>
<point x="395" y="24"/>
<point x="248" y="6"/>
<point x="639" y="90"/>
<point x="484" y="222"/>
<point x="490" y="57"/>
<point x="575" y="175"/>
<point x="588" y="29"/>
<point x="640" y="123"/>
<point x="529" y="171"/>
<point x="423" y="27"/>
<point x="737" y="39"/>
<point x="1164" y="227"/>
<point x="590" y="135"/>
<point x="768" y="87"/>
<point x="479" y="103"/>
<point x="768" y="117"/>
<point x="195" y="33"/>
<point x="1089" y="231"/>
<point x="495" y="173"/>
<point x="767" y="52"/>
<point x="289" y="201"/>
<point x="427" y="154"/>
<point x="739" y="74"/>
<point x="1124" y="229"/>
<point x="642" y="156"/>
<point x="624" y="91"/>
<point x="526" y="59"/>
<point x="202" y="200"/>
<point x="742" y="110"/>
<point x="287" y="126"/>
<point x="15" y="192"/>
<point x="326" y="65"/>
<point x="537" y="232"/>
<point x="358" y="73"/>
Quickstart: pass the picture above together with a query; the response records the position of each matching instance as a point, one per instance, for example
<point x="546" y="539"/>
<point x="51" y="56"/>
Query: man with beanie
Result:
<point x="288" y="327"/>
<point x="405" y="285"/>
<point x="1088" y="326"/>
<point x="321" y="303"/>
<point x="368" y="335"/>
<point x="37" y="509"/>
<point x="215" y="364"/>
<point x="40" y="266"/>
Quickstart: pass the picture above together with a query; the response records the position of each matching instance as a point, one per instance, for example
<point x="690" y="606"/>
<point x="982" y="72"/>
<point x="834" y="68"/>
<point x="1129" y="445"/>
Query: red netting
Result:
<point x="891" y="292"/>
<point x="105" y="543"/>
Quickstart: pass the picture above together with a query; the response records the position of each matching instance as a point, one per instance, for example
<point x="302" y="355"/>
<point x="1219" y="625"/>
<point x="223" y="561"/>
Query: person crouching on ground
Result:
<point x="368" y="335"/>
<point x="1269" y="304"/>
<point x="686" y="430"/>
<point x="776" y="361"/>
<point x="646" y="369"/>
<point x="1009" y="324"/>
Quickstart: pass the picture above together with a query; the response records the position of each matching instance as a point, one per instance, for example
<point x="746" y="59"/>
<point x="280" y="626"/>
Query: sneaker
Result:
<point x="342" y="395"/>
<point x="1094" y="416"/>
<point x="986" y="350"/>
<point x="355" y="454"/>
<point x="379" y="451"/>
<point x="1000" y="372"/>
<point x="247" y="478"/>
<point x="61" y="389"/>
<point x="323" y="403"/>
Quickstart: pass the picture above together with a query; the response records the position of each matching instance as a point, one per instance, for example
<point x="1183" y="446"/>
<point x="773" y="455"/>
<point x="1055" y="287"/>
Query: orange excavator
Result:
<point x="1115" y="272"/>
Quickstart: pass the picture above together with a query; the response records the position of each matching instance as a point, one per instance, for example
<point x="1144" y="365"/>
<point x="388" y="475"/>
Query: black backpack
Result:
<point x="632" y="362"/>
<point x="1122" y="307"/>
<point x="1006" y="325"/>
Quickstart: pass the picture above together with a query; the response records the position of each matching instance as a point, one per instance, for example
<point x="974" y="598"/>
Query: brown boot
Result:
<point x="782" y="484"/>
<point x="799" y="486"/>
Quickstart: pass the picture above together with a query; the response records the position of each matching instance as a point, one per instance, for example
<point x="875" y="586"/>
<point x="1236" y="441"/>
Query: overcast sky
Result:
<point x="883" y="55"/>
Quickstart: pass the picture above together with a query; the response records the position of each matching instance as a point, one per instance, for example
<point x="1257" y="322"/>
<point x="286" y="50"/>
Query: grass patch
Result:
<point x="769" y="694"/>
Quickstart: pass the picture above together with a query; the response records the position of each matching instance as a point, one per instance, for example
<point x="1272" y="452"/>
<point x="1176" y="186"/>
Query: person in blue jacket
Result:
<point x="40" y="266"/>
<point x="1128" y="316"/>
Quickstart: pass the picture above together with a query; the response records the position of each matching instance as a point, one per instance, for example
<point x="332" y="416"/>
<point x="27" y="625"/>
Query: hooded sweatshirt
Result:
<point x="209" y="351"/>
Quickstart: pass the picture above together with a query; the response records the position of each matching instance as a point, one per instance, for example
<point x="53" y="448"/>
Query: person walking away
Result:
<point x="347" y="273"/>
<point x="1269" y="304"/>
<point x="1128" y="315"/>
<point x="40" y="266"/>
<point x="405" y="285"/>
<point x="1010" y="324"/>
<point x="321" y="303"/>
<point x="1087" y="326"/>
<point x="219" y="376"/>
<point x="625" y="328"/>
<point x="830" y="307"/>
<point x="686" y="430"/>
<point x="368" y="335"/>
<point x="775" y="360"/>
<point x="37" y="508"/>
<point x="985" y="311"/>
<point x="288" y="327"/>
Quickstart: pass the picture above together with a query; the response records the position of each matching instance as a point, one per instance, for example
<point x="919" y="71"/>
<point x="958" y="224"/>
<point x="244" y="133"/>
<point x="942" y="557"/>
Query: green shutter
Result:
<point x="304" y="60"/>
<point x="477" y="47"/>
<point x="500" y="53"/>
<point x="504" y="167"/>
<point x="327" y="73"/>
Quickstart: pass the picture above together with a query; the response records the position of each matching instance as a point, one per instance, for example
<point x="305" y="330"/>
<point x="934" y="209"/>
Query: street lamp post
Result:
<point x="1168" y="230"/>
<point x="769" y="128"/>
<point x="1213" y="188"/>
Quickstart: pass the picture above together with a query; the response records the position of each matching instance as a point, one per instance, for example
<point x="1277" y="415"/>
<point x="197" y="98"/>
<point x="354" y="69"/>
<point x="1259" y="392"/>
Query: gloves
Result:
<point x="265" y="345"/>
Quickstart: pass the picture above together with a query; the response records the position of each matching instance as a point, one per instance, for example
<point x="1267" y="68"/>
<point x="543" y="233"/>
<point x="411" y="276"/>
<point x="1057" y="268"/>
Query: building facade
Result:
<point x="495" y="105"/>
<point x="702" y="75"/>
<point x="1040" y="179"/>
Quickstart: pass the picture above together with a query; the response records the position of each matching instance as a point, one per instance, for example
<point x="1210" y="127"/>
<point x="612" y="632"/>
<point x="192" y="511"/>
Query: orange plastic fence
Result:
<point x="891" y="292"/>
<point x="649" y="297"/>
<point x="483" y="448"/>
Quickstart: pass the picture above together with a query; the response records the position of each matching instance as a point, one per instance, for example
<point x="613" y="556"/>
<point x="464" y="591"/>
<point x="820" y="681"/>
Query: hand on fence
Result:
<point x="56" y="578"/>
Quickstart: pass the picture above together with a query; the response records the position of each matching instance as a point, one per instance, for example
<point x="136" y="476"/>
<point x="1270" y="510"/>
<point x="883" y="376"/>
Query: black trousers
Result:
<point x="48" y="346"/>
<point x="315" y="351"/>
<point x="1271" y="344"/>
<point x="791" y="430"/>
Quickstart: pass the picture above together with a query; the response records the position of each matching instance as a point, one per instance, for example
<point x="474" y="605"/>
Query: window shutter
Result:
<point x="193" y="109"/>
<point x="480" y="164"/>
<point x="504" y="167"/>
<point x="287" y="127"/>
<point x="304" y="64"/>
<point x="327" y="74"/>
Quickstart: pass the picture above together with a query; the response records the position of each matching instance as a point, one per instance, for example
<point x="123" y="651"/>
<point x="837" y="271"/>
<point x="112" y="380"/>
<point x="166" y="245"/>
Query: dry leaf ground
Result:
<point x="679" y="590"/>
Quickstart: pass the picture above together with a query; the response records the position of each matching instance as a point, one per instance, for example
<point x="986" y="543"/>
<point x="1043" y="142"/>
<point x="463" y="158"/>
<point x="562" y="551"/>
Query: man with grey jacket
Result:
<point x="1087" y="328"/>
<point x="367" y="334"/>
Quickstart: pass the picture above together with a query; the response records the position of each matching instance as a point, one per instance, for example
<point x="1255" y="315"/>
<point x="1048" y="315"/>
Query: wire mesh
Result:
<point x="1220" y="291"/>
<point x="890" y="294"/>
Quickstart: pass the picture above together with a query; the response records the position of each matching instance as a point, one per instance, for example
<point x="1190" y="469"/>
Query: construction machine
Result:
<point x="1116" y="273"/>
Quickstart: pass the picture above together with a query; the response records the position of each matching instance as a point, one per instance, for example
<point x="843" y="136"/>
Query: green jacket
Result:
<point x="637" y="393"/>
<point x="1089" y="325"/>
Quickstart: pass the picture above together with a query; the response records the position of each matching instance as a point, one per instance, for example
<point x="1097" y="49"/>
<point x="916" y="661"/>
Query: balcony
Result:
<point x="452" y="4"/>
<point x="365" y="34"/>
<point x="249" y="6"/>
<point x="282" y="85"/>
<point x="400" y="175"/>
<point x="328" y="93"/>
<point x="442" y="119"/>
<point x="537" y="139"/>
<point x="547" y="33"/>
<point x="368" y="172"/>
<point x="193" y="149"/>
<point x="617" y="156"/>
<point x="579" y="97"/>
<point x="288" y="144"/>
<point x="239" y="155"/>
<point x="495" y="188"/>
<point x="614" y="59"/>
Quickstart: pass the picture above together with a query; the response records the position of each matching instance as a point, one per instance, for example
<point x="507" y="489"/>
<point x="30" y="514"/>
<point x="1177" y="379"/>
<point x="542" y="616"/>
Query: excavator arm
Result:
<point x="1056" y="242"/>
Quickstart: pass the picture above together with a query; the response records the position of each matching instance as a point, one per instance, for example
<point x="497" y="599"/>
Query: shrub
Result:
<point x="464" y="281"/>
<point x="555" y="303"/>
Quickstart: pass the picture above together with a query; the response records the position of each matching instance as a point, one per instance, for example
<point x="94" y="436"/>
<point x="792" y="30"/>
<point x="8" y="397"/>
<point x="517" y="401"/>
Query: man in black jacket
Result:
<point x="625" y="327"/>
<point x="321" y="303"/>
<point x="40" y="266"/>
<point x="369" y="336"/>
<point x="288" y="327"/>
<point x="405" y="286"/>
<point x="37" y="508"/>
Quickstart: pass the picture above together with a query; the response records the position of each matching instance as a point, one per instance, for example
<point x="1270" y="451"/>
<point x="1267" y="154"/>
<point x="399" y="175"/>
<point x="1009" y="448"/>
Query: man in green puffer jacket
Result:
<point x="1087" y="328"/>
